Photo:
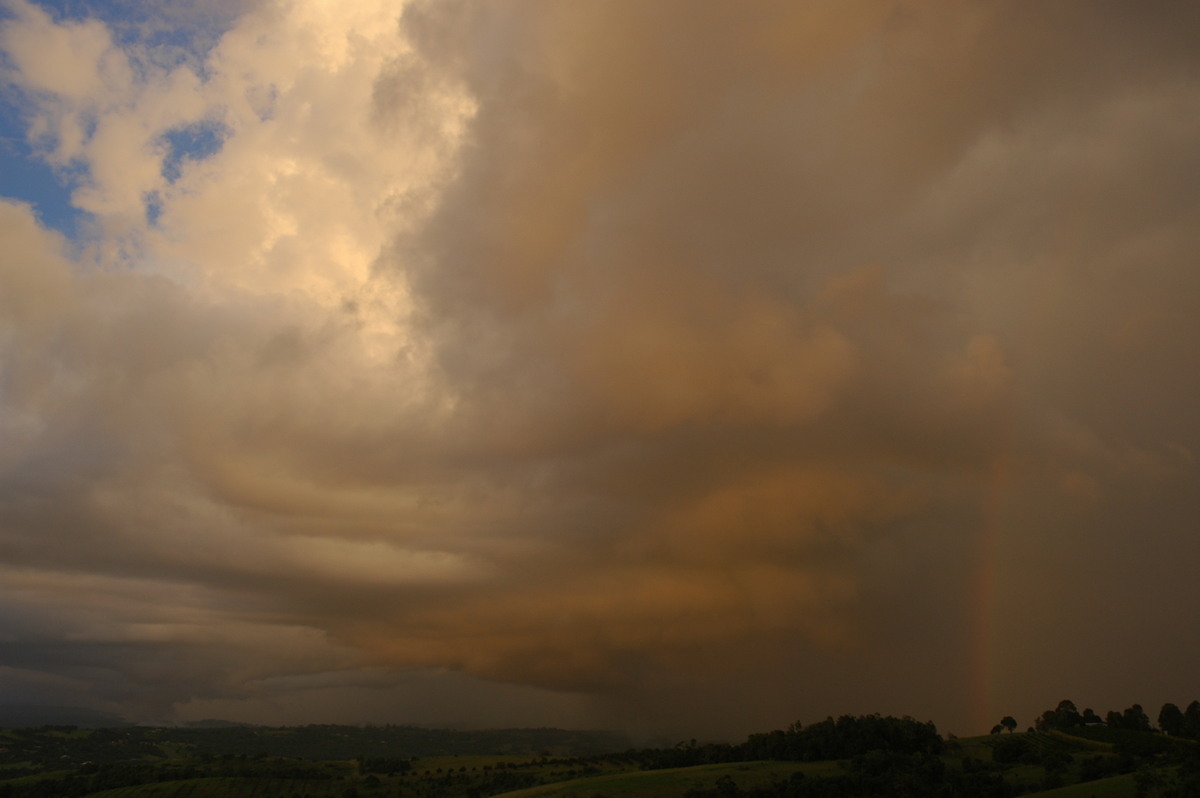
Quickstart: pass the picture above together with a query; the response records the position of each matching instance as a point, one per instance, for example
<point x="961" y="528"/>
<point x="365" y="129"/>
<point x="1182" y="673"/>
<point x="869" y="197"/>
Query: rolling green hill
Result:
<point x="673" y="782"/>
<point x="850" y="757"/>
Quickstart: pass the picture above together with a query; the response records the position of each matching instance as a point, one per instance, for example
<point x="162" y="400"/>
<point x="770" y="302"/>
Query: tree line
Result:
<point x="845" y="737"/>
<point x="1171" y="719"/>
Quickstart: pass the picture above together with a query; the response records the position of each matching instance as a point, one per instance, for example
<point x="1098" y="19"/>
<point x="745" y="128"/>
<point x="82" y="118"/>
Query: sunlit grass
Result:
<point x="676" y="781"/>
<point x="1115" y="787"/>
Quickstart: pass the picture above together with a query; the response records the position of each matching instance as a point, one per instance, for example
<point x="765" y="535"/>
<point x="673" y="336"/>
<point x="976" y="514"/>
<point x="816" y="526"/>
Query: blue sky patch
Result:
<point x="26" y="177"/>
<point x="194" y="142"/>
<point x="154" y="207"/>
<point x="188" y="31"/>
<point x="167" y="36"/>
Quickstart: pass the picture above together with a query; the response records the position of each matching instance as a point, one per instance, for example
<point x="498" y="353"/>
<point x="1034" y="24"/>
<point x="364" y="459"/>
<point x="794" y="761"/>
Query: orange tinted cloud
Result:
<point x="633" y="359"/>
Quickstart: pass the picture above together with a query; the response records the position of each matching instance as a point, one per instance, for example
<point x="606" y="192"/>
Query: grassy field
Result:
<point x="1079" y="742"/>
<point x="167" y="763"/>
<point x="218" y="788"/>
<point x="469" y="761"/>
<point x="671" y="783"/>
<point x="1115" y="787"/>
<point x="675" y="781"/>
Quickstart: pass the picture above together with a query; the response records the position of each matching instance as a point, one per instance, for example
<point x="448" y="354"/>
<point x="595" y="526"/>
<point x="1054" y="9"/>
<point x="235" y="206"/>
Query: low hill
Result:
<point x="16" y="716"/>
<point x="851" y="757"/>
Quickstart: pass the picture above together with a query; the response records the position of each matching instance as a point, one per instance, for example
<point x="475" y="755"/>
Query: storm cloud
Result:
<point x="673" y="366"/>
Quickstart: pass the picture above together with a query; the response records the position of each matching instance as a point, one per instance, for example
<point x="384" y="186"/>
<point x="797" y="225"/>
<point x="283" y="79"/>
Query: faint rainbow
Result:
<point x="983" y="613"/>
<point x="984" y="709"/>
<point x="1053" y="274"/>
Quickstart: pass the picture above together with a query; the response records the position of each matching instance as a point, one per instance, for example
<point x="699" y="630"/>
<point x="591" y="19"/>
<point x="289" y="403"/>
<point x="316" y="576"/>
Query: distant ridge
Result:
<point x="17" y="716"/>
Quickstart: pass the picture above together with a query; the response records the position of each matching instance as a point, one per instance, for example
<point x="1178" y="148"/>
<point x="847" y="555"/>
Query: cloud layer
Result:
<point x="672" y="365"/>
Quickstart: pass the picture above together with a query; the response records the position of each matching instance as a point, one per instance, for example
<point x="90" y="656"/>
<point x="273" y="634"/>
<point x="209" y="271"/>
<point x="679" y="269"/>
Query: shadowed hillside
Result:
<point x="1067" y="754"/>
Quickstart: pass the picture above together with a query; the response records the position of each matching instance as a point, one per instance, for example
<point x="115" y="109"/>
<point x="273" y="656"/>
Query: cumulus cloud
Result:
<point x="668" y="365"/>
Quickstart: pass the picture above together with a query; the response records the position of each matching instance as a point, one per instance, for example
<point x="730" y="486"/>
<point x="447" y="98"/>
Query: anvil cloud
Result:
<point x="678" y="366"/>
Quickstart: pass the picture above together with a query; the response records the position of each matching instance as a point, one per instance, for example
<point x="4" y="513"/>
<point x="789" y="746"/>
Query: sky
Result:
<point x="686" y="368"/>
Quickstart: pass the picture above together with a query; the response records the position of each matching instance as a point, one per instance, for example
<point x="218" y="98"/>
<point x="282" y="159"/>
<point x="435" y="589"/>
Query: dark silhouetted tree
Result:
<point x="1171" y="720"/>
<point x="1064" y="716"/>
<point x="1135" y="718"/>
<point x="1009" y="722"/>
<point x="1191" y="720"/>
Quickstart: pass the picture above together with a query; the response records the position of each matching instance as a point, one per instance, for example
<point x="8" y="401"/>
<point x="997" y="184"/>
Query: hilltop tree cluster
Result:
<point x="848" y="736"/>
<point x="844" y="737"/>
<point x="1180" y="724"/>
<point x="1171" y="720"/>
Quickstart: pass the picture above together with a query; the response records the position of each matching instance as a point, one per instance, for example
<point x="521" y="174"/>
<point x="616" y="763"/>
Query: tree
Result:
<point x="1135" y="718"/>
<point x="1191" y="717"/>
<point x="1171" y="720"/>
<point x="1068" y="715"/>
<point x="1009" y="722"/>
<point x="997" y="728"/>
<point x="1064" y="716"/>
